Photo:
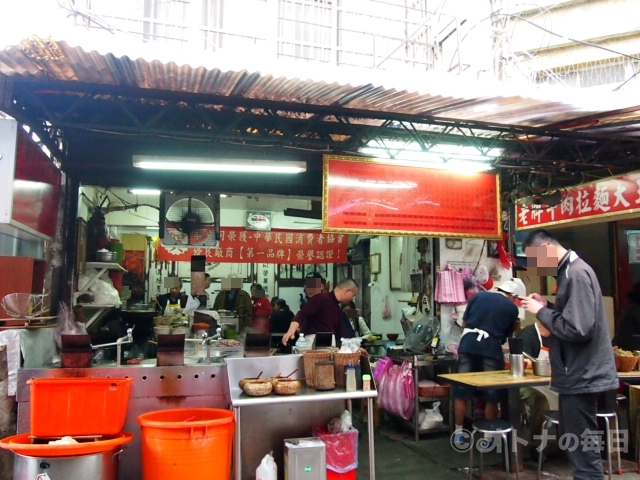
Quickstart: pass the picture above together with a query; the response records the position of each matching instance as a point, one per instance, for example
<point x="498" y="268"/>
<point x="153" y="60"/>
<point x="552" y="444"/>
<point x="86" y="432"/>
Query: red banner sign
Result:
<point x="238" y="245"/>
<point x="614" y="196"/>
<point x="363" y="195"/>
<point x="36" y="188"/>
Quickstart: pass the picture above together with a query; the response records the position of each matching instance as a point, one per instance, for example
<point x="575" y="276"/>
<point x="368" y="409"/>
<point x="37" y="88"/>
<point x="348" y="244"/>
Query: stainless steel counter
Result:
<point x="153" y="388"/>
<point x="262" y="423"/>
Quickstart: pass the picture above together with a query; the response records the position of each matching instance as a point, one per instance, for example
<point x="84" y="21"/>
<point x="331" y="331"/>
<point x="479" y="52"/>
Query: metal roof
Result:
<point x="591" y="131"/>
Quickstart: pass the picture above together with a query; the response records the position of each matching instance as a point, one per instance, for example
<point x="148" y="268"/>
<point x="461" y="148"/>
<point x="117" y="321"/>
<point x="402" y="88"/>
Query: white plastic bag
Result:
<point x="67" y="326"/>
<point x="433" y="417"/>
<point x="192" y="304"/>
<point x="268" y="469"/>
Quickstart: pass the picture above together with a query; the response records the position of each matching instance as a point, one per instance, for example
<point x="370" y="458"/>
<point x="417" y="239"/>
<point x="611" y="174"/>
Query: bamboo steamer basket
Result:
<point x="310" y="358"/>
<point x="342" y="360"/>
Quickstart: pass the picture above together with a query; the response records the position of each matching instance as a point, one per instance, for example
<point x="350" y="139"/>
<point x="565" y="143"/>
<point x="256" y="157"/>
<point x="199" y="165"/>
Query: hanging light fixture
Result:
<point x="202" y="164"/>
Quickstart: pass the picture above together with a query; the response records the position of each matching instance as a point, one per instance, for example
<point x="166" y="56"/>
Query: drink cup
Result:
<point x="516" y="365"/>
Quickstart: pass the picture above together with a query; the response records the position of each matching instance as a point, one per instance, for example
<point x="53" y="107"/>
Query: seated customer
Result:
<point x="281" y="317"/>
<point x="359" y="326"/>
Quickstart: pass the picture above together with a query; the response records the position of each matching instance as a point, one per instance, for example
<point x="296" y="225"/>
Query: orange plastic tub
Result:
<point x="23" y="444"/>
<point x="78" y="406"/>
<point x="187" y="443"/>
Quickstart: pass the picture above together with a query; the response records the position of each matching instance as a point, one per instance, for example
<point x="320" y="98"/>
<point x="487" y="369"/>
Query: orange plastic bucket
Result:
<point x="187" y="443"/>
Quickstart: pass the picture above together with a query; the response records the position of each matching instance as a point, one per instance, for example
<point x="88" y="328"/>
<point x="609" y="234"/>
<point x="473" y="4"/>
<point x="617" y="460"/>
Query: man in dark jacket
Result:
<point x="582" y="363"/>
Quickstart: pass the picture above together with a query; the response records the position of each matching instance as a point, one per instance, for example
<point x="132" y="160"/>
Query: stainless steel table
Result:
<point x="278" y="406"/>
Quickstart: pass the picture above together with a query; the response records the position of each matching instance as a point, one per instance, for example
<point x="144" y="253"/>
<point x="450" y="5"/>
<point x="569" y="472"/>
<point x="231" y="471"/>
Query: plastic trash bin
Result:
<point x="187" y="443"/>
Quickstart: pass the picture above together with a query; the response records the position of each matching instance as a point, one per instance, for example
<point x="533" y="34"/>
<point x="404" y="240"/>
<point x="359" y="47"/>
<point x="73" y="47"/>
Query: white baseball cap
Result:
<point x="509" y="287"/>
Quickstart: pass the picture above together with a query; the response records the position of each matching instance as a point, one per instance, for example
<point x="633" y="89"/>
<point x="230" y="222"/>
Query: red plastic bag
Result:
<point x="396" y="390"/>
<point x="341" y="448"/>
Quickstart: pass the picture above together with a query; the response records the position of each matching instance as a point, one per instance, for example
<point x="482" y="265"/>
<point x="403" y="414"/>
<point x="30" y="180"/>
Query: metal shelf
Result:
<point x="102" y="268"/>
<point x="419" y="360"/>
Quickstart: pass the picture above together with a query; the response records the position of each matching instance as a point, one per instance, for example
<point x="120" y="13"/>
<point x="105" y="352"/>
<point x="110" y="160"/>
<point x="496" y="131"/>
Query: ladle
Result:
<point x="530" y="357"/>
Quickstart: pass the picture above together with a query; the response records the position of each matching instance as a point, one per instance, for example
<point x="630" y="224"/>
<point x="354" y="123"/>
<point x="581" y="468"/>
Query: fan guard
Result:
<point x="189" y="220"/>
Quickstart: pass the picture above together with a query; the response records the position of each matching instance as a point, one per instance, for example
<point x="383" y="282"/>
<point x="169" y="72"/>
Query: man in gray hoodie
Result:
<point x="582" y="362"/>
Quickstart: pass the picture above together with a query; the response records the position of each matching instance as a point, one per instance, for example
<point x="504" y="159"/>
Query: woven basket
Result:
<point x="626" y="364"/>
<point x="342" y="360"/>
<point x="310" y="358"/>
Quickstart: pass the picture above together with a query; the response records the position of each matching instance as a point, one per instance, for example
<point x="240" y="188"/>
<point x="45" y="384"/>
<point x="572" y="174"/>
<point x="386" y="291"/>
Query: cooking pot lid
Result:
<point x="22" y="444"/>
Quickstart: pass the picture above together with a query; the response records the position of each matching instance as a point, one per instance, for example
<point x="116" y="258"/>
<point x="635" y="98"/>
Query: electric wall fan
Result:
<point x="190" y="219"/>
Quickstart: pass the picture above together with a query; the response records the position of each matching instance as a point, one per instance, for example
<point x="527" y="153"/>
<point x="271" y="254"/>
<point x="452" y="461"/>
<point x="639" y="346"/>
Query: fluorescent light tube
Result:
<point x="144" y="191"/>
<point x="218" y="164"/>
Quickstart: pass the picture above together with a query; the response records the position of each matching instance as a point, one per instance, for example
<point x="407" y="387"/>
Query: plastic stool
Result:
<point x="551" y="418"/>
<point x="501" y="427"/>
<point x="608" y="441"/>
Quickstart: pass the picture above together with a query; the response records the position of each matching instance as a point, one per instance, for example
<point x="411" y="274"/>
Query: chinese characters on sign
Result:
<point x="633" y="241"/>
<point x="619" y="195"/>
<point x="238" y="245"/>
<point x="363" y="195"/>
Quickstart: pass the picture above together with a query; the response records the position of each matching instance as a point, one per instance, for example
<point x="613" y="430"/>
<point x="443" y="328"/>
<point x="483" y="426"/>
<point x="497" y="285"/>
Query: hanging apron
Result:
<point x="544" y="351"/>
<point x="168" y="310"/>
<point x="552" y="397"/>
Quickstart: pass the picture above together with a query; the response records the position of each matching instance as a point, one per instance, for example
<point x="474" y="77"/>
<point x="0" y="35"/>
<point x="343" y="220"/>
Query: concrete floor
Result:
<point x="399" y="456"/>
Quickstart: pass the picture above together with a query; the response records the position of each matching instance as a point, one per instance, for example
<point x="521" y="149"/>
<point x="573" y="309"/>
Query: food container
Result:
<point x="625" y="364"/>
<point x="248" y="379"/>
<point x="106" y="256"/>
<point x="275" y="380"/>
<point x="258" y="388"/>
<point x="287" y="386"/>
<point x="310" y="358"/>
<point x="324" y="376"/>
<point x="162" y="330"/>
<point x="542" y="367"/>
<point x="179" y="330"/>
<point x="78" y="406"/>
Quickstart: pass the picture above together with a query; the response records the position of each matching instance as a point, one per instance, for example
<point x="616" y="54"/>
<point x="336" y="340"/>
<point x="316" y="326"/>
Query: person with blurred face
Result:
<point x="261" y="309"/>
<point x="322" y="313"/>
<point x="234" y="299"/>
<point x="582" y="361"/>
<point x="176" y="300"/>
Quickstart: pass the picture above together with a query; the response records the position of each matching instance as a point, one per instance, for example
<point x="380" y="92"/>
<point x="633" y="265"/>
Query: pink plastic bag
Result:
<point x="450" y="286"/>
<point x="381" y="367"/>
<point x="396" y="390"/>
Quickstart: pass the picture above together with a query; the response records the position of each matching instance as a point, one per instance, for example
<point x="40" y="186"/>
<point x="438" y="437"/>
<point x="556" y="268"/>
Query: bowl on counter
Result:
<point x="106" y="256"/>
<point x="393" y="336"/>
<point x="258" y="388"/>
<point x="287" y="386"/>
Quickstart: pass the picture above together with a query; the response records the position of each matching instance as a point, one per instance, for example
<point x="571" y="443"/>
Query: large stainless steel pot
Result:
<point x="96" y="466"/>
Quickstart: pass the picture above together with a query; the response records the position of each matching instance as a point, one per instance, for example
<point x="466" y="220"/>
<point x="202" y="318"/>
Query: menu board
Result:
<point x="365" y="195"/>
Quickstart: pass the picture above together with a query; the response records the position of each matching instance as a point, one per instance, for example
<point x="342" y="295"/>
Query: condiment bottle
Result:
<point x="366" y="382"/>
<point x="351" y="378"/>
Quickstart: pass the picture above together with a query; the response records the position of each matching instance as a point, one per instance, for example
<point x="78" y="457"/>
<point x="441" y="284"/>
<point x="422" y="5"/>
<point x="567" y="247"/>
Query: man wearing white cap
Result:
<point x="490" y="318"/>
